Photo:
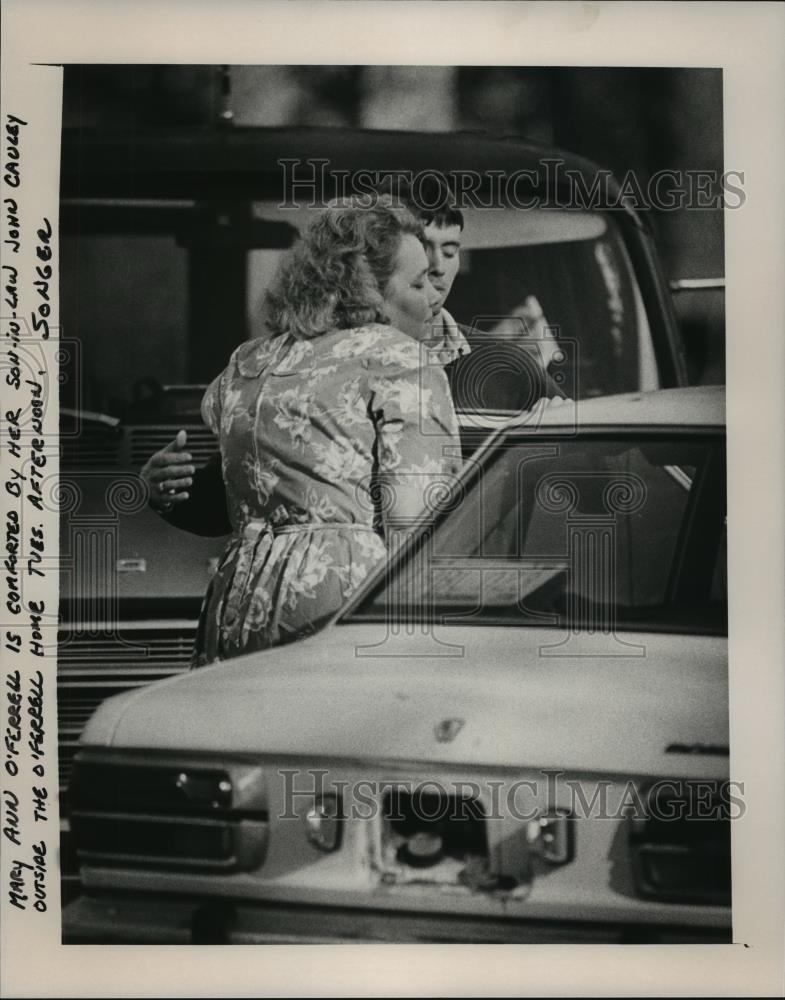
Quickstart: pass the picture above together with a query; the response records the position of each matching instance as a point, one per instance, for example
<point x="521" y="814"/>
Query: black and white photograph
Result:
<point x="399" y="439"/>
<point x="396" y="568"/>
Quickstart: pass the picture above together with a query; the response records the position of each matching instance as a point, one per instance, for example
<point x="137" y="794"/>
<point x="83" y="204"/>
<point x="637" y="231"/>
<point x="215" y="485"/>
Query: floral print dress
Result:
<point x="306" y="428"/>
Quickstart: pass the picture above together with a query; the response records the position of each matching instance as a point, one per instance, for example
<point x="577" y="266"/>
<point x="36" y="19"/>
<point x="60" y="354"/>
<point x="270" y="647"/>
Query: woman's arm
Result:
<point x="418" y="445"/>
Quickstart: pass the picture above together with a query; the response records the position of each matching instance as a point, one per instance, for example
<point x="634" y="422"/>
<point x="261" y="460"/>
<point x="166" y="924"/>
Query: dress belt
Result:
<point x="243" y="545"/>
<point x="289" y="529"/>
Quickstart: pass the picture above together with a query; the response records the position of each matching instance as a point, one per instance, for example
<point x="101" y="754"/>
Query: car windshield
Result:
<point x="595" y="534"/>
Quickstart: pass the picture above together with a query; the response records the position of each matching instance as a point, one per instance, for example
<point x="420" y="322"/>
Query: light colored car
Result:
<point x="516" y="731"/>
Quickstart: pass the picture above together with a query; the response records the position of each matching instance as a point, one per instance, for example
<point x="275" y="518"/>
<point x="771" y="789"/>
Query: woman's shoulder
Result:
<point x="374" y="347"/>
<point x="252" y="357"/>
<point x="377" y="346"/>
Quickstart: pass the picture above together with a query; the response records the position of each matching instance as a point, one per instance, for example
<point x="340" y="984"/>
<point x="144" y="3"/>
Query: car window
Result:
<point x="592" y="533"/>
<point x="585" y="288"/>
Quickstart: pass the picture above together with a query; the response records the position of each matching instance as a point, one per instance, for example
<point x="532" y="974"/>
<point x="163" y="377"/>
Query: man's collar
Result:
<point x="448" y="342"/>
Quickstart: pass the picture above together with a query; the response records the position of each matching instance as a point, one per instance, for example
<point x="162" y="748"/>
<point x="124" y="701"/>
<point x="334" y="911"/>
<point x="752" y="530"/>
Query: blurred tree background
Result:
<point x="627" y="119"/>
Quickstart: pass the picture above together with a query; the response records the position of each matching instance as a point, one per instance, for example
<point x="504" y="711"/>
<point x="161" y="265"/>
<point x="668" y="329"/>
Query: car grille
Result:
<point x="180" y="813"/>
<point x="144" y="441"/>
<point x="98" y="447"/>
<point x="93" y="447"/>
<point x="93" y="666"/>
<point x="681" y="853"/>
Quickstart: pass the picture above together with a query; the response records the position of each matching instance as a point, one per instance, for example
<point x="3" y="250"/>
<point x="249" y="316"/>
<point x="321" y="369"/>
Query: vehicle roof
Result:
<point x="205" y="162"/>
<point x="691" y="406"/>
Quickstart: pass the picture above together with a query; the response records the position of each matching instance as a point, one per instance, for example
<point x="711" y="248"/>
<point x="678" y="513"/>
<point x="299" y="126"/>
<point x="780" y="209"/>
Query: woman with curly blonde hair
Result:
<point x="312" y="421"/>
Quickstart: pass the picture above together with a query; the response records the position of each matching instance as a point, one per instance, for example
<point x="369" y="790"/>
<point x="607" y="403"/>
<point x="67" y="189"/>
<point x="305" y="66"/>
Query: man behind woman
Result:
<point x="483" y="371"/>
<point x="338" y="402"/>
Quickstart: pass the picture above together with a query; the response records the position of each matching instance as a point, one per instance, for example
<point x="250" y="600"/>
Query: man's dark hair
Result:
<point x="427" y="196"/>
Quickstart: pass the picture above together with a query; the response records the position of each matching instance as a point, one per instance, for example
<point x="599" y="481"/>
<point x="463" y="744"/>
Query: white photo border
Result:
<point x="744" y="40"/>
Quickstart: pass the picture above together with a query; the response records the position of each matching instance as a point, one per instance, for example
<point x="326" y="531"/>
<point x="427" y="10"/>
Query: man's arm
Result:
<point x="499" y="375"/>
<point x="506" y="367"/>
<point x="205" y="511"/>
<point x="188" y="498"/>
<point x="545" y="342"/>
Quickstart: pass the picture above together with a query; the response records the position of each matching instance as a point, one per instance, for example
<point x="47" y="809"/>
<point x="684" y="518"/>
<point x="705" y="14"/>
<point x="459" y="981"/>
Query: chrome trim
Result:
<point x="161" y="624"/>
<point x="679" y="476"/>
<point x="696" y="284"/>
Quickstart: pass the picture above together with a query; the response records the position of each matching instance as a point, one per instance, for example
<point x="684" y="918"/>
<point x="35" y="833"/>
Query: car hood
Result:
<point x="517" y="701"/>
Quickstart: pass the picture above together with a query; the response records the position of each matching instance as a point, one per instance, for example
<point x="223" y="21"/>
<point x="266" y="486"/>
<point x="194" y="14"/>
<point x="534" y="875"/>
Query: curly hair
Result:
<point x="336" y="275"/>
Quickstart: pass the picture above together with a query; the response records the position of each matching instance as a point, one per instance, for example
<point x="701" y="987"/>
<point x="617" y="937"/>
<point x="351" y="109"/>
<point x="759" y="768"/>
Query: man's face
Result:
<point x="442" y="244"/>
